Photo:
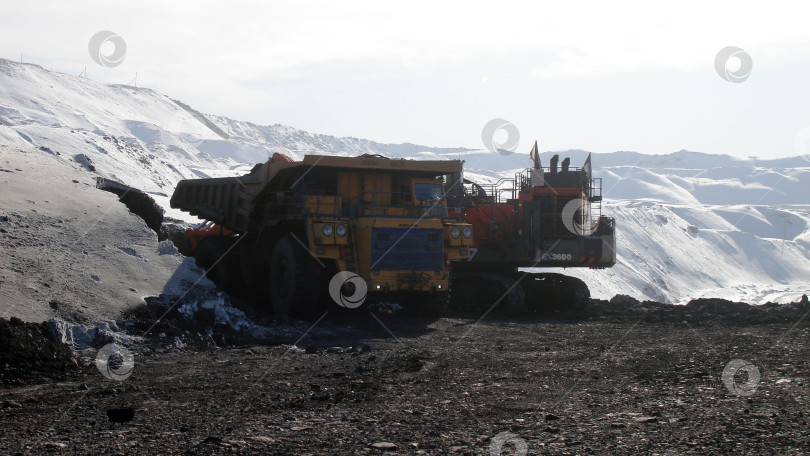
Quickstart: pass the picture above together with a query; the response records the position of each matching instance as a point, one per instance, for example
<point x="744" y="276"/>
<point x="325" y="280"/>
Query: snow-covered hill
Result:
<point x="144" y="138"/>
<point x="689" y="224"/>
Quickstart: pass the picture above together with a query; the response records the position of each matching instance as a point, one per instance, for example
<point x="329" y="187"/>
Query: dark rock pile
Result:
<point x="699" y="310"/>
<point x="30" y="352"/>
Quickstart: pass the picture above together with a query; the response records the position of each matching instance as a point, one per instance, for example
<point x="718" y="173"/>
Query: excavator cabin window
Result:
<point x="428" y="193"/>
<point x="429" y="196"/>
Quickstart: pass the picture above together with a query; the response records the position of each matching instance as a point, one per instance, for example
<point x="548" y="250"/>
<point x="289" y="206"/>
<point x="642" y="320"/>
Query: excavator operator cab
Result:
<point x="429" y="197"/>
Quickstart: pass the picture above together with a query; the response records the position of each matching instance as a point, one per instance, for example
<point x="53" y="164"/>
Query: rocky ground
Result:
<point x="621" y="378"/>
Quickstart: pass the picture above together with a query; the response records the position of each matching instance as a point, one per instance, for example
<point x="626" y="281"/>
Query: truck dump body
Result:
<point x="229" y="201"/>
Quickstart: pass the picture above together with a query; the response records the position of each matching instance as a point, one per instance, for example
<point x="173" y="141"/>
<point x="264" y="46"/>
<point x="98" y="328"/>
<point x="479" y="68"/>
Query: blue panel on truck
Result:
<point x="403" y="248"/>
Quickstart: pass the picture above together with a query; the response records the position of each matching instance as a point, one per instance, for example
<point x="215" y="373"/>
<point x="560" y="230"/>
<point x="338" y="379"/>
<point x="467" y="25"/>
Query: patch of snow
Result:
<point x="82" y="337"/>
<point x="166" y="247"/>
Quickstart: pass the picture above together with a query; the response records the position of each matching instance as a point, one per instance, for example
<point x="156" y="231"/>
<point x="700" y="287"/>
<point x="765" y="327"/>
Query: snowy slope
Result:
<point x="69" y="249"/>
<point x="673" y="253"/>
<point x="693" y="225"/>
<point x="689" y="224"/>
<point x="144" y="138"/>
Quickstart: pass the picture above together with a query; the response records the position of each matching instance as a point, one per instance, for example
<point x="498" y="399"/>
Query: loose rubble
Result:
<point x="621" y="377"/>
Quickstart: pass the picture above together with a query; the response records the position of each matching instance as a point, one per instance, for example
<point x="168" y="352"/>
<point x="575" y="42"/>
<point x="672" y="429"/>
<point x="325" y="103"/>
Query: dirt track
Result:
<point x="617" y="384"/>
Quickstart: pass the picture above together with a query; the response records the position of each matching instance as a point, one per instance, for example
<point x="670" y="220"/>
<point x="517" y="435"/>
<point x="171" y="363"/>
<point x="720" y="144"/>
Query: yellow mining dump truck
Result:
<point x="296" y="236"/>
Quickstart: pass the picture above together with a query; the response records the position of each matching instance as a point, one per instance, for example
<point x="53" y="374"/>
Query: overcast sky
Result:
<point x="600" y="76"/>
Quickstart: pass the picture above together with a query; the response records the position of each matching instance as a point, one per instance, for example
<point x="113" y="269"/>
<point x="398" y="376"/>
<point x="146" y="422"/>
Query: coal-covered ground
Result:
<point x="622" y="377"/>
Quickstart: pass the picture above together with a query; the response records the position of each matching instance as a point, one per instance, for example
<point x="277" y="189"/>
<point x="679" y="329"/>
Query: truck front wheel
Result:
<point x="294" y="280"/>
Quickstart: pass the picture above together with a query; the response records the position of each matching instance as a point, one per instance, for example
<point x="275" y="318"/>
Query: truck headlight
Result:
<point x="341" y="230"/>
<point x="455" y="232"/>
<point x="467" y="231"/>
<point x="327" y="230"/>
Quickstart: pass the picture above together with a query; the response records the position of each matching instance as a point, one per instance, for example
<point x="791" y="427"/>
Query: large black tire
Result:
<point x="552" y="292"/>
<point x="254" y="261"/>
<point x="209" y="256"/>
<point x="294" y="280"/>
<point x="480" y="292"/>
<point x="221" y="265"/>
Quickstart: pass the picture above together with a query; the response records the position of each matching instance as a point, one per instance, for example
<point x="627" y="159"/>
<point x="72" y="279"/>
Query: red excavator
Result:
<point x="544" y="217"/>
